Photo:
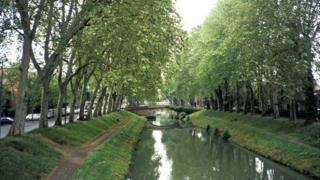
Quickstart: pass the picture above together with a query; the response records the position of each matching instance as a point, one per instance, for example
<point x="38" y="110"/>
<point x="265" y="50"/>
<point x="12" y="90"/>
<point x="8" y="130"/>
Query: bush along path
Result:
<point x="274" y="139"/>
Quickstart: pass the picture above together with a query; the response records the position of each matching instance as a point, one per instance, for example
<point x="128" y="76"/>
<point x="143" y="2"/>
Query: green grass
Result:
<point x="287" y="142"/>
<point x="25" y="158"/>
<point x="81" y="132"/>
<point x="28" y="157"/>
<point x="111" y="159"/>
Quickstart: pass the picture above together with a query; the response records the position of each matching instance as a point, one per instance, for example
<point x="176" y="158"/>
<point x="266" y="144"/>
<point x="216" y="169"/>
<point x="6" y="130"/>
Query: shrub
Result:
<point x="226" y="135"/>
<point x="216" y="132"/>
<point x="208" y="128"/>
<point x="311" y="134"/>
<point x="234" y="119"/>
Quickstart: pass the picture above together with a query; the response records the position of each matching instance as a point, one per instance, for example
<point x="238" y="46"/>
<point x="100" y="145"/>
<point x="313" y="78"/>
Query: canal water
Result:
<point x="191" y="154"/>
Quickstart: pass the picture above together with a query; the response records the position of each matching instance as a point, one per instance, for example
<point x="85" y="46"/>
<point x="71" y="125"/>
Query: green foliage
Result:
<point x="180" y="109"/>
<point x="111" y="160"/>
<point x="248" y="45"/>
<point x="35" y="100"/>
<point x="216" y="132"/>
<point x="25" y="158"/>
<point x="137" y="40"/>
<point x="226" y="135"/>
<point x="311" y="134"/>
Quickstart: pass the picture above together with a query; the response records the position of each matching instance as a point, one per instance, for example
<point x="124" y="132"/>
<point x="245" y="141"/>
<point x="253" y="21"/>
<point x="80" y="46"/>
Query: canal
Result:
<point x="192" y="154"/>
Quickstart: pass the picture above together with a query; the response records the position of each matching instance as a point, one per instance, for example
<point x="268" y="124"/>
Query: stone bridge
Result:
<point x="147" y="111"/>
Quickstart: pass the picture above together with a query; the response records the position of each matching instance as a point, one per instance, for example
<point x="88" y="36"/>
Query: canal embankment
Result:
<point x="36" y="154"/>
<point x="112" y="159"/>
<point x="289" y="143"/>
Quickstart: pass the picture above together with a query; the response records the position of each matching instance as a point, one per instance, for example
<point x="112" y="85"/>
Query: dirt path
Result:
<point x="74" y="156"/>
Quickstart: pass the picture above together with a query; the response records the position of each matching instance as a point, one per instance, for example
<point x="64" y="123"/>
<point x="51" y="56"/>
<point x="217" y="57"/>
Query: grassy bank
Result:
<point x="82" y="131"/>
<point x="289" y="143"/>
<point x="28" y="157"/>
<point x="25" y="158"/>
<point x="111" y="159"/>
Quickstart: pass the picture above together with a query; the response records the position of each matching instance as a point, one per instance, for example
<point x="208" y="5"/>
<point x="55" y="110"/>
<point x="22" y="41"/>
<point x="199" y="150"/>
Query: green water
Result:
<point x="190" y="154"/>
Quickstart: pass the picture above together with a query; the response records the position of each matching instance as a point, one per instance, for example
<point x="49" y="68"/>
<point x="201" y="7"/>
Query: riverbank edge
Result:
<point x="32" y="157"/>
<point x="113" y="158"/>
<point x="260" y="143"/>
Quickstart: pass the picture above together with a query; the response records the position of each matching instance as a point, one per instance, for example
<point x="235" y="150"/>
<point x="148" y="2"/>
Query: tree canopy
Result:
<point x="251" y="56"/>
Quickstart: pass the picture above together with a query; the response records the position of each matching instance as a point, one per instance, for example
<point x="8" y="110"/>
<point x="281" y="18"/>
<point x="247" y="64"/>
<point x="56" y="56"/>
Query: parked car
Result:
<point x="77" y="111"/>
<point x="123" y="106"/>
<point x="50" y="113"/>
<point x="6" y="120"/>
<point x="85" y="112"/>
<point x="33" y="117"/>
<point x="65" y="111"/>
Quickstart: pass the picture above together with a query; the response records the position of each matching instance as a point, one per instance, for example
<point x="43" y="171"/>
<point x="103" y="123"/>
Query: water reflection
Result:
<point x="160" y="153"/>
<point x="164" y="117"/>
<point x="192" y="154"/>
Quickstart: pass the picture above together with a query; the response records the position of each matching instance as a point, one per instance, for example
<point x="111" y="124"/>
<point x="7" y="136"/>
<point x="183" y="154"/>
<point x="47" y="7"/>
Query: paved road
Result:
<point x="30" y="125"/>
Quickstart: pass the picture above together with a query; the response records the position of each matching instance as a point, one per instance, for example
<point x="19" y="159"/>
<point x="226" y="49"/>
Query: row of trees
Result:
<point x="252" y="56"/>
<point x="115" y="50"/>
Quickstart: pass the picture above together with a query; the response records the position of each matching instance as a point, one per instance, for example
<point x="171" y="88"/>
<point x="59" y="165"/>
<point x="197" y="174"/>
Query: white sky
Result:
<point x="194" y="12"/>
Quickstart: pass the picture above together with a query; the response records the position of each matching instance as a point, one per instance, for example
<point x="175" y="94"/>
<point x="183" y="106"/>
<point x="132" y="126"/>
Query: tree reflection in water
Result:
<point x="176" y="154"/>
<point x="160" y="153"/>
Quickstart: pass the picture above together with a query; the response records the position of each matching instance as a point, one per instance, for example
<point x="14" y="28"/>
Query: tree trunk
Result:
<point x="74" y="93"/>
<point x="93" y="98"/>
<point x="22" y="96"/>
<point x="72" y="106"/>
<point x="181" y="102"/>
<point x="118" y="101"/>
<point x="43" y="122"/>
<point x="219" y="98"/>
<point x="105" y="106"/>
<point x="101" y="107"/>
<point x="110" y="102"/>
<point x="99" y="103"/>
<point x="275" y="103"/>
<point x="292" y="111"/>
<point x="83" y="95"/>
<point x="251" y="99"/>
<point x="83" y="101"/>
<point x="238" y="98"/>
<point x="212" y="102"/>
<point x="114" y="102"/>
<point x="207" y="103"/>
<point x="226" y="98"/>
<point x="60" y="103"/>
<point x="121" y="101"/>
<point x="246" y="100"/>
<point x="262" y="101"/>
<point x="310" y="101"/>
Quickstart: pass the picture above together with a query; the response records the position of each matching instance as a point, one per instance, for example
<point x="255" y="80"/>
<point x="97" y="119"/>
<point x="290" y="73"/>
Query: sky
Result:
<point x="194" y="12"/>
